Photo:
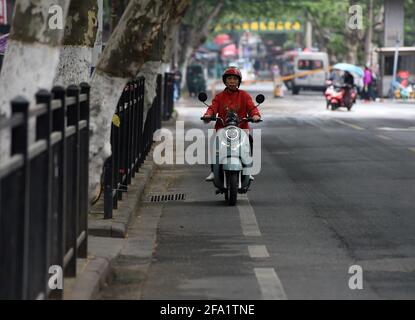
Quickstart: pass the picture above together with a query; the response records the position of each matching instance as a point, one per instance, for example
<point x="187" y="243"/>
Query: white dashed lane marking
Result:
<point x="248" y="220"/>
<point x="268" y="281"/>
<point x="384" y="137"/>
<point x="258" y="251"/>
<point x="270" y="285"/>
<point x="396" y="129"/>
<point x="354" y="126"/>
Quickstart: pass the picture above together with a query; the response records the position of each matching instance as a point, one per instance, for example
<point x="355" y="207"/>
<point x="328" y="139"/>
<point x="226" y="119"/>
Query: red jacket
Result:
<point x="239" y="100"/>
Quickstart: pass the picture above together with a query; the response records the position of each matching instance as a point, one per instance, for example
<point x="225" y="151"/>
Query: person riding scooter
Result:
<point x="232" y="99"/>
<point x="348" y="81"/>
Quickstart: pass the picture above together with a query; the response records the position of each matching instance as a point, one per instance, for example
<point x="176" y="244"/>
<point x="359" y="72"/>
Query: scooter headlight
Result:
<point x="232" y="133"/>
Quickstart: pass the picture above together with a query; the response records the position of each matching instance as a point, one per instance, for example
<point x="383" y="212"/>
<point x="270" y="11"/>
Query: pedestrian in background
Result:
<point x="367" y="83"/>
<point x="177" y="83"/>
<point x="374" y="86"/>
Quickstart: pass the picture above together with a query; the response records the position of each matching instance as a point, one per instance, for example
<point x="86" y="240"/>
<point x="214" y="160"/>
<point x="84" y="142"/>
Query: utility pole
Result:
<point x="309" y="34"/>
<point x="395" y="62"/>
<point x="394" y="22"/>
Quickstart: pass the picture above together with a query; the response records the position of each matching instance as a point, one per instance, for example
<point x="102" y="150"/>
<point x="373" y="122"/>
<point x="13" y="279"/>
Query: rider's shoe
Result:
<point x="251" y="178"/>
<point x="210" y="177"/>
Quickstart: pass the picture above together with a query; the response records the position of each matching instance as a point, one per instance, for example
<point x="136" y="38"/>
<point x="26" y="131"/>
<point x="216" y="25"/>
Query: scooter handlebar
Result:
<point x="251" y="120"/>
<point x="213" y="119"/>
<point x="216" y="118"/>
<point x="210" y="119"/>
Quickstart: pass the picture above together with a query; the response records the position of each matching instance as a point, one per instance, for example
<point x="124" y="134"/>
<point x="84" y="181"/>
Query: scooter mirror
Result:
<point x="202" y="96"/>
<point x="260" y="98"/>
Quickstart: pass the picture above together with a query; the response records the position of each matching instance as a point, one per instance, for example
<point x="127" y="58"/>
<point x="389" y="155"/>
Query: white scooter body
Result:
<point x="232" y="153"/>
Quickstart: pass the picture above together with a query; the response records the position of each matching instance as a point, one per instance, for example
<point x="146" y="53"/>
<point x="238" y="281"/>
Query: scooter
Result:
<point x="232" y="156"/>
<point x="336" y="97"/>
<point x="329" y="92"/>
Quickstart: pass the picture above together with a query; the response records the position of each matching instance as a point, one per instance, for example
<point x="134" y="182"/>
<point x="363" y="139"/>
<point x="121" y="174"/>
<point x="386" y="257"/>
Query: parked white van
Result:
<point x="309" y="61"/>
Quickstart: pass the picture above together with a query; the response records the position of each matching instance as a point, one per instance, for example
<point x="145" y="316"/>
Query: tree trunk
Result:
<point x="159" y="56"/>
<point x="369" y="34"/>
<point x="193" y="34"/>
<point x="354" y="38"/>
<point x="124" y="56"/>
<point x="115" y="4"/>
<point x="170" y="49"/>
<point x="171" y="34"/>
<point x="150" y="70"/>
<point x="32" y="56"/>
<point x="80" y="34"/>
<point x="351" y="56"/>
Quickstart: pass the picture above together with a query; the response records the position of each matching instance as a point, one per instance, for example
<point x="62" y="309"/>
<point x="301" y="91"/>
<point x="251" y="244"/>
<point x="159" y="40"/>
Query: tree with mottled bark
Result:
<point x="125" y="54"/>
<point x="171" y="34"/>
<point x="160" y="55"/>
<point x="32" y="56"/>
<point x="80" y="33"/>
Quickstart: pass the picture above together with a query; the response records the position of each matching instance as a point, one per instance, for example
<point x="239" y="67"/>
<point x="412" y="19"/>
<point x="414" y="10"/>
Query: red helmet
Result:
<point x="232" y="71"/>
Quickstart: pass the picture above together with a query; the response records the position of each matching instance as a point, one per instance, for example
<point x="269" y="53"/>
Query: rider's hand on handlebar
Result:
<point x="206" y="119"/>
<point x="256" y="118"/>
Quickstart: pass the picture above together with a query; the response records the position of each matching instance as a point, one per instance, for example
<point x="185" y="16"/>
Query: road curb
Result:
<point x="117" y="227"/>
<point x="89" y="282"/>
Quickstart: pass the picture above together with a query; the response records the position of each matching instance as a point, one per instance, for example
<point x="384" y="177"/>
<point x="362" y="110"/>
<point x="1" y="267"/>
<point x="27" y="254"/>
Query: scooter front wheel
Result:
<point x="232" y="178"/>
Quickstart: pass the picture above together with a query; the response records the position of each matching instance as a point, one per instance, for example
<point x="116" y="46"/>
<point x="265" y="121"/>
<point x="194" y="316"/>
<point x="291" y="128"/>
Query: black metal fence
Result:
<point x="131" y="140"/>
<point x="44" y="192"/>
<point x="44" y="185"/>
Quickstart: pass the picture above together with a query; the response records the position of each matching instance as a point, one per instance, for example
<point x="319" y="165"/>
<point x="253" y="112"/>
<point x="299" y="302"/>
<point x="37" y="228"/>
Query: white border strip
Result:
<point x="248" y="220"/>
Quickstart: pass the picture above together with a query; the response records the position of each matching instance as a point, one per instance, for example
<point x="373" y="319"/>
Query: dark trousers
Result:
<point x="346" y="96"/>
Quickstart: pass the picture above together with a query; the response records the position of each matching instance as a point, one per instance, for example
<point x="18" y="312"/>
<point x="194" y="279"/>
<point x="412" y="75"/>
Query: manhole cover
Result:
<point x="167" y="197"/>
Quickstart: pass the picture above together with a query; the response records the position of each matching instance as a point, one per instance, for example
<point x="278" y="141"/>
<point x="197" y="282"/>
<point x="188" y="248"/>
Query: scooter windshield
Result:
<point x="232" y="119"/>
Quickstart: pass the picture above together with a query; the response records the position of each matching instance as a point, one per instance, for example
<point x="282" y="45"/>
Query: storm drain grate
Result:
<point x="167" y="197"/>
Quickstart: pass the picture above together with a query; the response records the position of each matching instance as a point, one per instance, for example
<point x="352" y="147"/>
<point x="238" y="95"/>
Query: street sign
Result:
<point x="260" y="26"/>
<point x="3" y="12"/>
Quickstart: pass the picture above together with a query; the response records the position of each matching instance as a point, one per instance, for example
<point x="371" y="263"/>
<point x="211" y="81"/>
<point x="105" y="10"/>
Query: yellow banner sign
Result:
<point x="261" y="26"/>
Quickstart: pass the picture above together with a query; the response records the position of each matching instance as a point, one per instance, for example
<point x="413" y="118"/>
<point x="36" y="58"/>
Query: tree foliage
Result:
<point x="329" y="20"/>
<point x="409" y="26"/>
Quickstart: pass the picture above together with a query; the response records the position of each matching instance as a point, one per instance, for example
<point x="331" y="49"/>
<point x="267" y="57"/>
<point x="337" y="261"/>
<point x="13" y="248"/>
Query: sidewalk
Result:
<point x="107" y="238"/>
<point x="397" y="101"/>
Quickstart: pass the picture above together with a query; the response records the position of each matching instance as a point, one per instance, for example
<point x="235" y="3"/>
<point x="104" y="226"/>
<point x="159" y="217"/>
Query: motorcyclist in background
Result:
<point x="348" y="81"/>
<point x="232" y="98"/>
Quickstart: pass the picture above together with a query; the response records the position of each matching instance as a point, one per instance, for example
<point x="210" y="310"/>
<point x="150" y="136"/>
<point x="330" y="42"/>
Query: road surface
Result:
<point x="335" y="196"/>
